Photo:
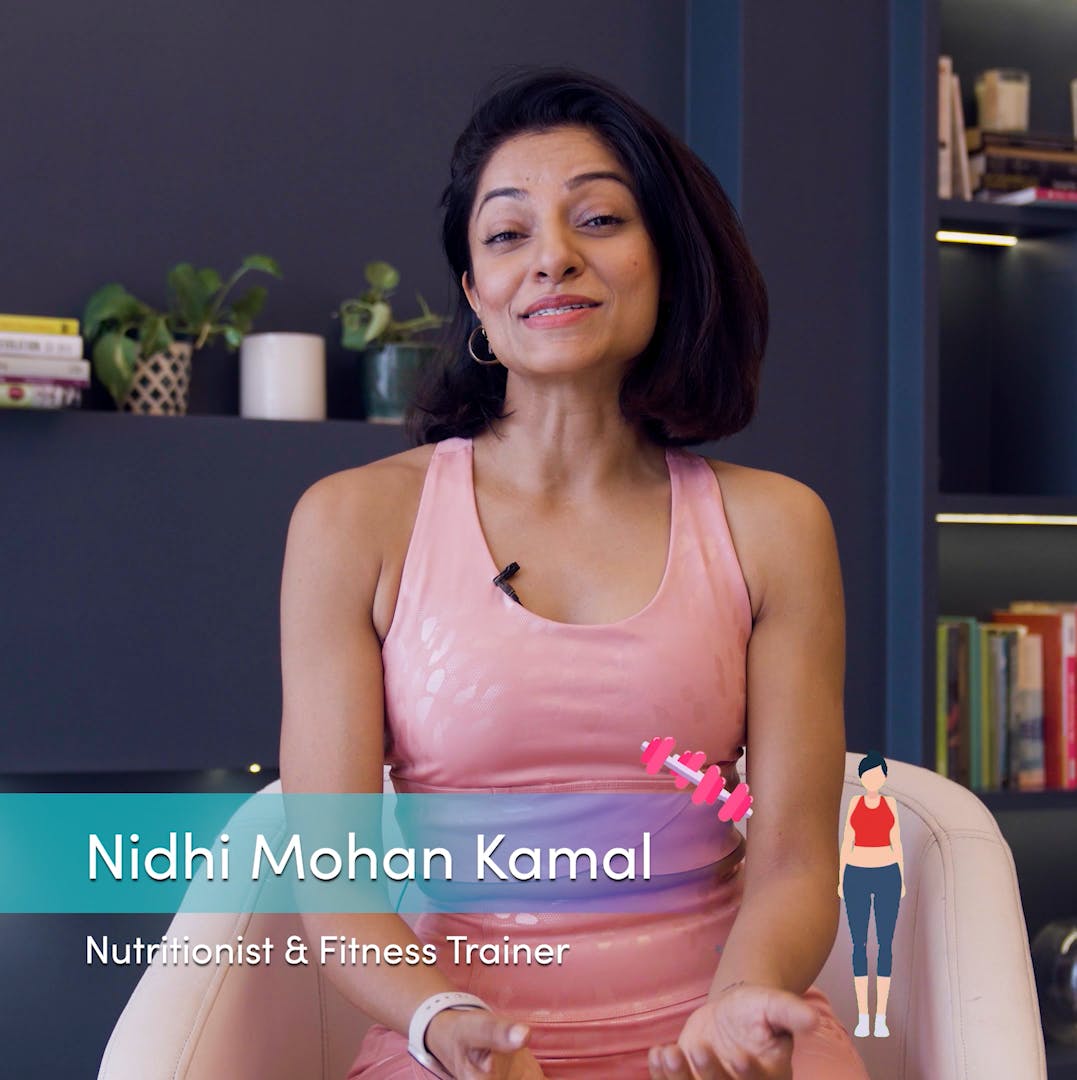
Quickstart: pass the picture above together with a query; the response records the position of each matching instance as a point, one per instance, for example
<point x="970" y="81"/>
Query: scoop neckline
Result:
<point x="525" y="612"/>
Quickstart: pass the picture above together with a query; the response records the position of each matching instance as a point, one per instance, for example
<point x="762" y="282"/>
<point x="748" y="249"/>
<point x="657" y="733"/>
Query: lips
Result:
<point x="557" y="303"/>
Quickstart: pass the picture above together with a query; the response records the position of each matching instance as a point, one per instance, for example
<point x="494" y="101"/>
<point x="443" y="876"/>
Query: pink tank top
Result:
<point x="482" y="694"/>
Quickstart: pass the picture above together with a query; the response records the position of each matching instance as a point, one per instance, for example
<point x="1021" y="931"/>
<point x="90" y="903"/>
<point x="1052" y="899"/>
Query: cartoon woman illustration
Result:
<point x="872" y="865"/>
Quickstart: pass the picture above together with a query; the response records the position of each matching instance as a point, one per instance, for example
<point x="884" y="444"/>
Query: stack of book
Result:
<point x="1006" y="698"/>
<point x="1024" y="168"/>
<point x="41" y="363"/>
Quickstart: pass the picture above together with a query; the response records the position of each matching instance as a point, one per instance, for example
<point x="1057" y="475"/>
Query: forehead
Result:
<point x="541" y="162"/>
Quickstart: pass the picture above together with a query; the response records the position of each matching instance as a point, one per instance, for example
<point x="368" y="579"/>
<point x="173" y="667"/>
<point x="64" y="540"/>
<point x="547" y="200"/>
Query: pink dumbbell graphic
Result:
<point x="658" y="753"/>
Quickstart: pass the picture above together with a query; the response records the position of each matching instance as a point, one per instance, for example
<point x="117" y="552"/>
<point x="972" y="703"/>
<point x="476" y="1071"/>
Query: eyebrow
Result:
<point x="570" y="185"/>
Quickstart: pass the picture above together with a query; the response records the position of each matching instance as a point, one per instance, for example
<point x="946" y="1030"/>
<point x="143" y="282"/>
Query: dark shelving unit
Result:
<point x="1021" y="221"/>
<point x="1000" y="334"/>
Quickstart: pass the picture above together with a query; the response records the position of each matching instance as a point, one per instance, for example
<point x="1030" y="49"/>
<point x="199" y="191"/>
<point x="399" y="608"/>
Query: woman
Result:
<point x="872" y="865"/>
<point x="657" y="592"/>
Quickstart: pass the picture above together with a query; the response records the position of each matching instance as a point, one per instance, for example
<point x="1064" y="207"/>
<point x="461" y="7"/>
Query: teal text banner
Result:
<point x="270" y="852"/>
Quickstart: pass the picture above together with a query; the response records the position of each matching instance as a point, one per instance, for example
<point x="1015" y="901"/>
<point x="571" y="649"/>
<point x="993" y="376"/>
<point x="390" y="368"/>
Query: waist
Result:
<point x="575" y="966"/>
<point x="871" y="856"/>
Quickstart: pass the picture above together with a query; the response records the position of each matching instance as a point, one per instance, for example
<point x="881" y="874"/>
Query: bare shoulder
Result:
<point x="360" y="509"/>
<point x="776" y="521"/>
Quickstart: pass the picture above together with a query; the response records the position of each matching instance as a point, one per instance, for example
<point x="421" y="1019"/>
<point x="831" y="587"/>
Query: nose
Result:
<point x="556" y="255"/>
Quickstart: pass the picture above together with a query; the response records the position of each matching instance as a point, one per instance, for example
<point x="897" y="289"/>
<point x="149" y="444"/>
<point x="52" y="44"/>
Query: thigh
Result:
<point x="384" y="1056"/>
<point x="888" y="895"/>
<point x="857" y="898"/>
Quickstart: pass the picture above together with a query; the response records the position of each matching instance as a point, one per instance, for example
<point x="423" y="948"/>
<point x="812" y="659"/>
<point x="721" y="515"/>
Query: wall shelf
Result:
<point x="1022" y="221"/>
<point x="1024" y="505"/>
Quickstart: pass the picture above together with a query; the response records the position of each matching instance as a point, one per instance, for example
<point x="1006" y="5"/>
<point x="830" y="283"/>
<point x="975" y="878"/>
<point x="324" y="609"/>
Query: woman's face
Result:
<point x="557" y="232"/>
<point x="873" y="779"/>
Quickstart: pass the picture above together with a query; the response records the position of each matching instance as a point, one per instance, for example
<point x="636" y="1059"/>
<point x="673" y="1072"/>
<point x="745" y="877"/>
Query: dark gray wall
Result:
<point x="814" y="203"/>
<point x="321" y="136"/>
<point x="141" y="137"/>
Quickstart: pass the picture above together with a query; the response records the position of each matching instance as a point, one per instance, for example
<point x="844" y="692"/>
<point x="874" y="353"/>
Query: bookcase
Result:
<point x="983" y="400"/>
<point x="982" y="360"/>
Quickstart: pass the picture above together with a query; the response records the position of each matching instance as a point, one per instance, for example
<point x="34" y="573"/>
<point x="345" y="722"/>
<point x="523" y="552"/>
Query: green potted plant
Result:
<point x="143" y="356"/>
<point x="390" y="356"/>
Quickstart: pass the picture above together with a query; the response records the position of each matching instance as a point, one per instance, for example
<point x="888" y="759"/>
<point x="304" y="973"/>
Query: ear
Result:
<point x="470" y="293"/>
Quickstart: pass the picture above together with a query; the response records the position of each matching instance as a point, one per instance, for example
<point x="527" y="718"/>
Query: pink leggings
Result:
<point x="826" y="1053"/>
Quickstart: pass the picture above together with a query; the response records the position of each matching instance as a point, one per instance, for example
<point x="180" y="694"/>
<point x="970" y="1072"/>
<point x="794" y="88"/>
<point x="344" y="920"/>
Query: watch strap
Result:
<point x="420" y="1021"/>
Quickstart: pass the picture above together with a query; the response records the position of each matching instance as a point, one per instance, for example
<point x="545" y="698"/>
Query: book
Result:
<point x="28" y="395"/>
<point x="1022" y="140"/>
<point x="942" y="698"/>
<point x="45" y="367"/>
<point x="1034" y="196"/>
<point x="963" y="695"/>
<point x="38" y="324"/>
<point x="997" y="665"/>
<point x="1026" y="754"/>
<point x="46" y="380"/>
<point x="1004" y="173"/>
<point x="945" y="126"/>
<point x="1057" y="625"/>
<point x="67" y="345"/>
<point x="961" y="180"/>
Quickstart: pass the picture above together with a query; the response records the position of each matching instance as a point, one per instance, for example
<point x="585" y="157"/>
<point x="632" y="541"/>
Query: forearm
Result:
<point x="900" y="856"/>
<point x="782" y="935"/>
<point x="389" y="994"/>
<point x="843" y="859"/>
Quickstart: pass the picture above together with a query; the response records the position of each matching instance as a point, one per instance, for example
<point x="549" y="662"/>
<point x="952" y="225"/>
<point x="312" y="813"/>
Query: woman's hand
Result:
<point x="473" y="1044"/>
<point x="902" y="888"/>
<point x="841" y="891"/>
<point x="745" y="1033"/>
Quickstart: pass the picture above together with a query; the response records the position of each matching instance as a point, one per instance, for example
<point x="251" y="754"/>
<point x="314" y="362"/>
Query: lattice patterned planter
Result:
<point x="160" y="385"/>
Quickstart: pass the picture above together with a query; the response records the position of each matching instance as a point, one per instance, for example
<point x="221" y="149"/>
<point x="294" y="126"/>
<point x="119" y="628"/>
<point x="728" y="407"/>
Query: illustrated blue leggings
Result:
<point x="860" y="884"/>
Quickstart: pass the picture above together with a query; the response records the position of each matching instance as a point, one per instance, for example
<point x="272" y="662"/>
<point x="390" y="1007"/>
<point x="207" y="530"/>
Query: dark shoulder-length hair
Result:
<point x="698" y="378"/>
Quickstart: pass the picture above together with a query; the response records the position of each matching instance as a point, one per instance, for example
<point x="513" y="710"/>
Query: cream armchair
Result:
<point x="962" y="1000"/>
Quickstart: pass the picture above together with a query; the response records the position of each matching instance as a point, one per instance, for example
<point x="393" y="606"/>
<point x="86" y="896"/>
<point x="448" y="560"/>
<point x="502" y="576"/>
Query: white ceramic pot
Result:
<point x="282" y="376"/>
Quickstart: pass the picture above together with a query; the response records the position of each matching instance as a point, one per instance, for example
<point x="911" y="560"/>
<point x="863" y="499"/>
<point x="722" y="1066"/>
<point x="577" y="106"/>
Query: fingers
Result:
<point x="791" y="1013"/>
<point x="671" y="1063"/>
<point x="487" y="1031"/>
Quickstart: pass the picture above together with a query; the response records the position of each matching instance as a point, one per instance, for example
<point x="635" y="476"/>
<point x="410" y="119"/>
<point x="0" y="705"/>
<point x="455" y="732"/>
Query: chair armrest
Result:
<point x="973" y="1001"/>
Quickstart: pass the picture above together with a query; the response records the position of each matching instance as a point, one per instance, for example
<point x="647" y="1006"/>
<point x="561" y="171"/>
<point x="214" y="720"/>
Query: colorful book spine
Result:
<point x="942" y="683"/>
<point x="16" y="395"/>
<point x="38" y="324"/>
<point x="45" y="380"/>
<point x="963" y="674"/>
<point x="1027" y="755"/>
<point x="1057" y="623"/>
<point x="43" y="345"/>
<point x="44" y="367"/>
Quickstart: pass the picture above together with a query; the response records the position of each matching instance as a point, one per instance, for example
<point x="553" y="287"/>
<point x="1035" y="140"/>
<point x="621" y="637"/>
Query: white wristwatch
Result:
<point x="420" y="1021"/>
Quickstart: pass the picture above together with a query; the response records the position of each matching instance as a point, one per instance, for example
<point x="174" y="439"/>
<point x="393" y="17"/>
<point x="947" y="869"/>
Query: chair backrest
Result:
<point x="962" y="998"/>
<point x="962" y="994"/>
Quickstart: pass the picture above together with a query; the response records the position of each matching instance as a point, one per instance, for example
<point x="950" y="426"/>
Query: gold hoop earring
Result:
<point x="471" y="347"/>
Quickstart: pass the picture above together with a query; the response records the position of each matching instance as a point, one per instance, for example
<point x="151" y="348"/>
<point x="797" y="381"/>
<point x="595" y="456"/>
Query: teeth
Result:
<point x="554" y="311"/>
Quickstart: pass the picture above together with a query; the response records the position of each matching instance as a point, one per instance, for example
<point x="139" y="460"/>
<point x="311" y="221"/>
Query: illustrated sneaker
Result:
<point x="862" y="1030"/>
<point x="881" y="1030"/>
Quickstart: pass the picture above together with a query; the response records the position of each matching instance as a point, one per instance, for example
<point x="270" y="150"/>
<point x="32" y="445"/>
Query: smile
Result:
<point x="558" y="315"/>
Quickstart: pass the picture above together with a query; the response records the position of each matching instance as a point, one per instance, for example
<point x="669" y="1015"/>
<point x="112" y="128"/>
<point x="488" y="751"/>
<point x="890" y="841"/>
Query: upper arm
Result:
<point x="331" y="671"/>
<point x="895" y="829"/>
<point x="849" y="832"/>
<point x="795" y="680"/>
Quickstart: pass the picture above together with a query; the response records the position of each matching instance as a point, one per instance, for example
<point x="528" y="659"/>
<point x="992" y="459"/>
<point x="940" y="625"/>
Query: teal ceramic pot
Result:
<point x="390" y="374"/>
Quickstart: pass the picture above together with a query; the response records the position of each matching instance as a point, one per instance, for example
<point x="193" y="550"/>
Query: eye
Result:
<point x="611" y="218"/>
<point x="496" y="238"/>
